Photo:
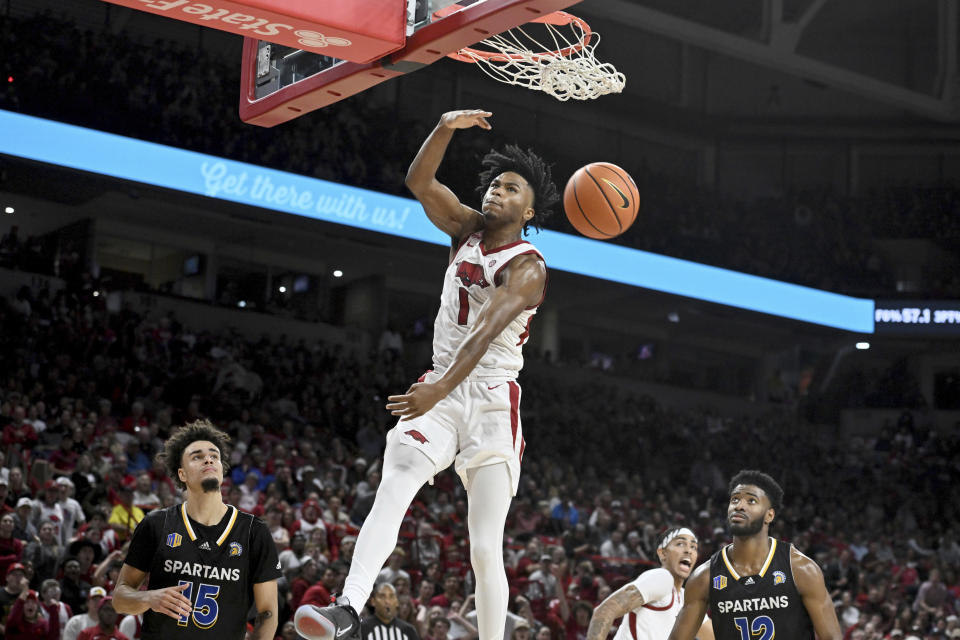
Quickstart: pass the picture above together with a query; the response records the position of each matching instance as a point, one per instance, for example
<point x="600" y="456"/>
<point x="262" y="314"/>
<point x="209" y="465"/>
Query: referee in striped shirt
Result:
<point x="384" y="624"/>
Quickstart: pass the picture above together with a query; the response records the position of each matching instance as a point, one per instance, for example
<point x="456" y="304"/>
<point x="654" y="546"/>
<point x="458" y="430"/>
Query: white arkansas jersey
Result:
<point x="654" y="620"/>
<point x="468" y="284"/>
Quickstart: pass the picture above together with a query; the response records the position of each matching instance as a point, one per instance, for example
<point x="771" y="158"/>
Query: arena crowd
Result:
<point x="88" y="396"/>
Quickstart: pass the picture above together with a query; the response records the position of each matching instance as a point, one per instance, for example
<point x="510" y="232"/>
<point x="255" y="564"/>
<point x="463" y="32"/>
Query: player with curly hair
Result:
<point x="465" y="411"/>
<point x="207" y="561"/>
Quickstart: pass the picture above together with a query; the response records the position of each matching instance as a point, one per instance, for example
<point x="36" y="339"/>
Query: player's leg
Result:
<point x="489" y="492"/>
<point x="405" y="470"/>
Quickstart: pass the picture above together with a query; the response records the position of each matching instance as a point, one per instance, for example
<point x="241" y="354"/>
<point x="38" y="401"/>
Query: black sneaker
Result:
<point x="337" y="622"/>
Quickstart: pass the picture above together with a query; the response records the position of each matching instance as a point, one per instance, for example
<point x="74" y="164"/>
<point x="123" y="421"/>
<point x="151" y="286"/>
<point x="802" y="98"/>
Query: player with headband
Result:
<point x="652" y="601"/>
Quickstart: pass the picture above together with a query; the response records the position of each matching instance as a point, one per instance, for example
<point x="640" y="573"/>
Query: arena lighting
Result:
<point x="196" y="173"/>
<point x="8" y="209"/>
<point x="863" y="346"/>
<point x="242" y="304"/>
<point x="337" y="273"/>
<point x="282" y="289"/>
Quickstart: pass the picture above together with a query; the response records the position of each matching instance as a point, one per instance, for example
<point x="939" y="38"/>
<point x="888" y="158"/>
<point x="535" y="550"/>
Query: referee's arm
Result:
<point x="265" y="598"/>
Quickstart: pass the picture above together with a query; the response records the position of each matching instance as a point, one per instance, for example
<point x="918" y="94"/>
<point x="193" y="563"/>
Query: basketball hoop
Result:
<point x="568" y="70"/>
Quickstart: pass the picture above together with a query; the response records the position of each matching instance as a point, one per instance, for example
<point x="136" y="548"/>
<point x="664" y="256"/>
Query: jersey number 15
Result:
<point x="205" y="609"/>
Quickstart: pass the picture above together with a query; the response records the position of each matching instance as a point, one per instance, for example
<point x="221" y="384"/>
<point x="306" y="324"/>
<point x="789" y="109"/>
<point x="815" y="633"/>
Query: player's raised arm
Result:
<point x="440" y="203"/>
<point x="695" y="601"/>
<point x="816" y="598"/>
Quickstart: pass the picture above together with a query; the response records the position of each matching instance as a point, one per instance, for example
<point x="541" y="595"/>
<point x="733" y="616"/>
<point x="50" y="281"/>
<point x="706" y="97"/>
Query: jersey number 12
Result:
<point x="761" y="628"/>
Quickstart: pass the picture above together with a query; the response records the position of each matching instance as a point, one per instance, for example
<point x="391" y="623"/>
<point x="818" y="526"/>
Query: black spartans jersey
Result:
<point x="221" y="563"/>
<point x="759" y="607"/>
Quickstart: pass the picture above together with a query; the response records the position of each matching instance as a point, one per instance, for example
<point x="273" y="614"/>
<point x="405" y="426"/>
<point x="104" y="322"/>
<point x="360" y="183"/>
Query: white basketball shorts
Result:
<point x="477" y="424"/>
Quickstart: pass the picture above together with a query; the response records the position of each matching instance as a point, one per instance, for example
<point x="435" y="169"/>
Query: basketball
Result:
<point x="601" y="200"/>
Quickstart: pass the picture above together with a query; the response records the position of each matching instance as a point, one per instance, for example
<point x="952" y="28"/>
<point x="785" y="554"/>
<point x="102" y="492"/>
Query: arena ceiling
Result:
<point x="844" y="64"/>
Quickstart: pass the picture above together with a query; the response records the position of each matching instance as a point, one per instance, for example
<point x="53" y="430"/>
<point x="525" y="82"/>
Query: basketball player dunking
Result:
<point x="655" y="598"/>
<point x="757" y="588"/>
<point x="207" y="561"/>
<point x="465" y="411"/>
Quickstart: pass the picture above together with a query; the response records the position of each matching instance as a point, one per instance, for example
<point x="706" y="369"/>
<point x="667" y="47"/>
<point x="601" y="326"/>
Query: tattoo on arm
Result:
<point x="262" y="617"/>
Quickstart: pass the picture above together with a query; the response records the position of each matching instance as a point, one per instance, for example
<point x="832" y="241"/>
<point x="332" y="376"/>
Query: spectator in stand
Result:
<point x="614" y="546"/>
<point x="394" y="568"/>
<point x="27" y="622"/>
<point x="250" y="494"/>
<point x="23" y="528"/>
<point x="44" y="553"/>
<point x="452" y="590"/>
<point x="143" y="496"/>
<point x="437" y="628"/>
<point x="106" y="627"/>
<point x="11" y="548"/>
<point x="5" y="507"/>
<point x="50" y="599"/>
<point x="321" y="593"/>
<point x="73" y="515"/>
<point x="306" y="577"/>
<point x="84" y="477"/>
<point x="17" y="488"/>
<point x="64" y="458"/>
<point x="19" y="436"/>
<point x="136" y="421"/>
<point x="88" y="554"/>
<point x="932" y="595"/>
<point x="73" y="587"/>
<point x="565" y="515"/>
<point x="125" y="515"/>
<point x="284" y="483"/>
<point x="290" y="557"/>
<point x="48" y="509"/>
<point x="87" y="619"/>
<point x="840" y="573"/>
<point x="334" y="515"/>
<point x="12" y="588"/>
<point x="309" y="518"/>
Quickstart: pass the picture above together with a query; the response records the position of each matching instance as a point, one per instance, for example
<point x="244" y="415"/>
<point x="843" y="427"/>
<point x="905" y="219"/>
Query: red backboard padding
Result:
<point x="356" y="30"/>
<point x="461" y="29"/>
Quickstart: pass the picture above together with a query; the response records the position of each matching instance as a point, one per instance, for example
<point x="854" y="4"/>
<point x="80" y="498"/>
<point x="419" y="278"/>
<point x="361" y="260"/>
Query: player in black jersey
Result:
<point x="206" y="560"/>
<point x="758" y="588"/>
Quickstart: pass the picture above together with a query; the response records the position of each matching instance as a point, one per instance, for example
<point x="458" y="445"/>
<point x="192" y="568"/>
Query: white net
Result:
<point x="569" y="71"/>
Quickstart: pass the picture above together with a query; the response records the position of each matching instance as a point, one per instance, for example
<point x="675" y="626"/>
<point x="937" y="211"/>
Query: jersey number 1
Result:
<point x="761" y="628"/>
<point x="205" y="609"/>
<point x="464" y="306"/>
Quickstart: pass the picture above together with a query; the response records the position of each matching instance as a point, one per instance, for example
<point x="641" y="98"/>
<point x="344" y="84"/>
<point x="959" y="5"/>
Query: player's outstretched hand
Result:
<point x="171" y="601"/>
<point x="418" y="399"/>
<point x="466" y="118"/>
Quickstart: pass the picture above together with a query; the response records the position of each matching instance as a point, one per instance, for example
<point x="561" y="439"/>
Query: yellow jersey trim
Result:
<point x="233" y="520"/>
<point x="763" y="570"/>
<point x="186" y="521"/>
<point x="226" y="531"/>
<point x="773" y="548"/>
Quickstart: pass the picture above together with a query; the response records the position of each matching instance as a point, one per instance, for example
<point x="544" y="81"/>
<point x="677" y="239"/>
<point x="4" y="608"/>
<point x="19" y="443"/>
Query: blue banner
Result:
<point x="197" y="173"/>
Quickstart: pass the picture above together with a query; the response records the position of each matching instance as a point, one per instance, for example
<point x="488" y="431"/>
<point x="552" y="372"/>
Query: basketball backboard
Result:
<point x="358" y="30"/>
<point x="280" y="82"/>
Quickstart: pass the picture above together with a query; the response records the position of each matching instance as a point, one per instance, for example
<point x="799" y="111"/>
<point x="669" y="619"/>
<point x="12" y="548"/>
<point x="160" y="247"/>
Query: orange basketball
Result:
<point x="601" y="200"/>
